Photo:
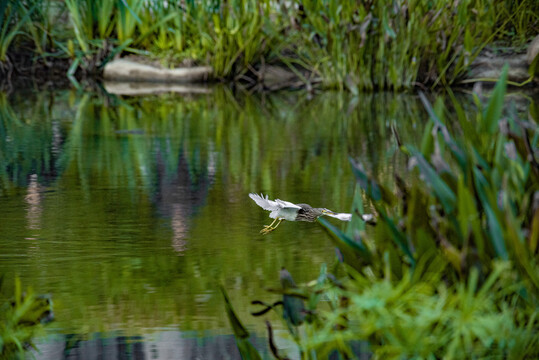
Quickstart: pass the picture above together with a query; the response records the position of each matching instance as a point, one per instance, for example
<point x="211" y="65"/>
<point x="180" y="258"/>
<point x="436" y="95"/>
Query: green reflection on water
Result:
<point x="129" y="212"/>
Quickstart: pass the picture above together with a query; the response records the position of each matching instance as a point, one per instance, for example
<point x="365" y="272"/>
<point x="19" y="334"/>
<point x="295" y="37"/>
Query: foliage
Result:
<point x="392" y="45"/>
<point x="20" y="319"/>
<point x="423" y="318"/>
<point x="345" y="44"/>
<point x="247" y="350"/>
<point x="14" y="16"/>
<point x="519" y="20"/>
<point x="452" y="268"/>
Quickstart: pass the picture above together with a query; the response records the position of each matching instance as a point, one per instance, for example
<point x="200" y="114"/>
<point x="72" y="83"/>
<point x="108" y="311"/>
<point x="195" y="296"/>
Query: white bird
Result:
<point x="283" y="210"/>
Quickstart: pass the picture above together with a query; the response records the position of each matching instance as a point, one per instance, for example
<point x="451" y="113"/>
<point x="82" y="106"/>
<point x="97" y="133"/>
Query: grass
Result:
<point x="342" y="44"/>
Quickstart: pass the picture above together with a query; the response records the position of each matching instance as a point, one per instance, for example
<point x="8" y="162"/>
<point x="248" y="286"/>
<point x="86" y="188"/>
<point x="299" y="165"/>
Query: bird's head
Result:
<point x="340" y="216"/>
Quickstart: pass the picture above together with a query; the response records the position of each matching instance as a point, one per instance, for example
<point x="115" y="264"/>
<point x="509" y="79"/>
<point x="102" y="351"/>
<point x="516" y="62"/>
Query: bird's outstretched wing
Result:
<point x="271" y="205"/>
<point x="287" y="204"/>
<point x="264" y="202"/>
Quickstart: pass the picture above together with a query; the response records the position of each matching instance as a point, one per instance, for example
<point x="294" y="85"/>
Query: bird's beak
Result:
<point x="326" y="211"/>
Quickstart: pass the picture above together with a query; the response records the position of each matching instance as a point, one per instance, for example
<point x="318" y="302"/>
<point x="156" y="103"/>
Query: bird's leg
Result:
<point x="267" y="229"/>
<point x="275" y="227"/>
<point x="270" y="225"/>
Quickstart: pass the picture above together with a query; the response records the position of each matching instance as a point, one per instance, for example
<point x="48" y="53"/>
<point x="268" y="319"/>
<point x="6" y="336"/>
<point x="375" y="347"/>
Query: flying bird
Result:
<point x="283" y="210"/>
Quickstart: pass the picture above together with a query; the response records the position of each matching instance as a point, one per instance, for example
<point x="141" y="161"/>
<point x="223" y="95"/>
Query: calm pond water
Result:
<point x="130" y="211"/>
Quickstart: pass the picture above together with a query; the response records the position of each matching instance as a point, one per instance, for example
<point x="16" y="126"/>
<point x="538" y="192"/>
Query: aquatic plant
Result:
<point x="391" y="45"/>
<point x="451" y="269"/>
<point x="518" y="19"/>
<point x="13" y="17"/>
<point x="343" y="44"/>
<point x="20" y="319"/>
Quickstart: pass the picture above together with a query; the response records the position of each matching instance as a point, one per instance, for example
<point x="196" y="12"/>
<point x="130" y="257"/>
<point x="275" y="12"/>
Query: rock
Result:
<point x="129" y="70"/>
<point x="533" y="50"/>
<point x="488" y="65"/>
<point x="277" y="77"/>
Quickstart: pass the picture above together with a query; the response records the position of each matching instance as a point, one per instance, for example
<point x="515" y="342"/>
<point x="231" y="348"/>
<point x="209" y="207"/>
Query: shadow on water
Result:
<point x="131" y="211"/>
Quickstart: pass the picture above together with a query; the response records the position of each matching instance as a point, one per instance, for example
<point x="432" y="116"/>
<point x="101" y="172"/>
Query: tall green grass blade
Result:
<point x="154" y="27"/>
<point x="76" y="20"/>
<point x="7" y="36"/>
<point x="496" y="233"/>
<point x="356" y="224"/>
<point x="237" y="327"/>
<point x="246" y="349"/>
<point x="439" y="186"/>
<point x="138" y="4"/>
<point x="533" y="70"/>
<point x="3" y="7"/>
<point x="397" y="236"/>
<point x="293" y="306"/>
<point x="494" y="107"/>
<point x="105" y="14"/>
<point x="350" y="249"/>
<point x="374" y="190"/>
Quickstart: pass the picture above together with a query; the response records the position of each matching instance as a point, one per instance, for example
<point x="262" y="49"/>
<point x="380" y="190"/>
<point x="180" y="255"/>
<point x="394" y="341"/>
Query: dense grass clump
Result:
<point x="361" y="45"/>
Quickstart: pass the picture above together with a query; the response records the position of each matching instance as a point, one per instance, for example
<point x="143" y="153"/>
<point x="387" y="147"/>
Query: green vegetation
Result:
<point x="453" y="256"/>
<point x="358" y="45"/>
<point x="451" y="270"/>
<point x="20" y="319"/>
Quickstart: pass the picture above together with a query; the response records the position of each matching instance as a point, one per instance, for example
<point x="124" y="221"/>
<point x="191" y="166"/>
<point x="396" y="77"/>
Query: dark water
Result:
<point x="130" y="212"/>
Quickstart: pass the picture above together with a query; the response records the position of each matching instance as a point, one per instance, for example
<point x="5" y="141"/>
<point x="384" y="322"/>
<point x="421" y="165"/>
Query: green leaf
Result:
<point x="237" y="327"/>
<point x="3" y="6"/>
<point x="350" y="249"/>
<point x="496" y="233"/>
<point x="294" y="309"/>
<point x="246" y="349"/>
<point x="370" y="186"/>
<point x="534" y="66"/>
<point x="427" y="142"/>
<point x="398" y="237"/>
<point x="493" y="111"/>
<point x="375" y="191"/>
<point x="466" y="208"/>
<point x="441" y="189"/>
<point x="356" y="224"/>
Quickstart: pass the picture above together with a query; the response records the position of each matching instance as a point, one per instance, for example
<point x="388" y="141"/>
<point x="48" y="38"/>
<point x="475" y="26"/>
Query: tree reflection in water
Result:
<point x="101" y="195"/>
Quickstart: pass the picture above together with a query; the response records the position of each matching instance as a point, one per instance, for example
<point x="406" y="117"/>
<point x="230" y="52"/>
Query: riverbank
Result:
<point x="343" y="45"/>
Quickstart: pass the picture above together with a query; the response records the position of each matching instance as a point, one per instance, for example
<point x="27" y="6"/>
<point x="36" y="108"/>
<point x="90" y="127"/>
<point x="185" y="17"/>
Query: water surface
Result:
<point x="131" y="211"/>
